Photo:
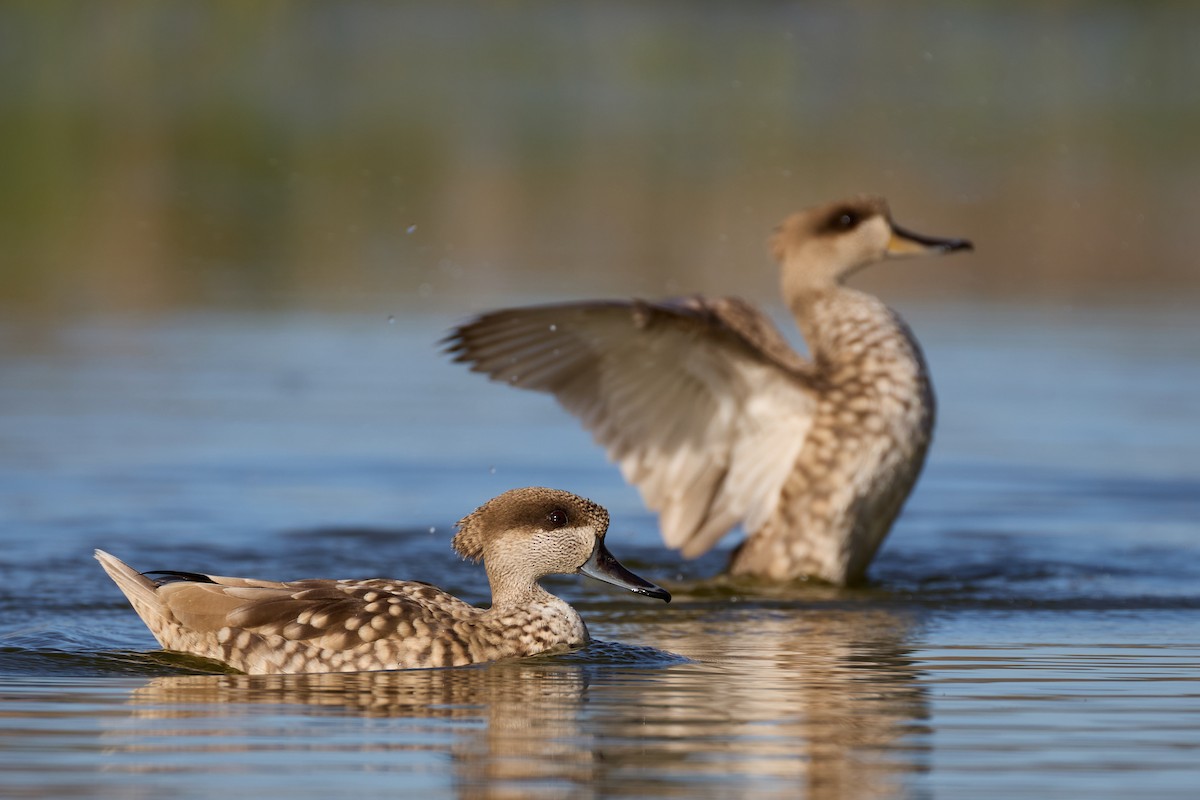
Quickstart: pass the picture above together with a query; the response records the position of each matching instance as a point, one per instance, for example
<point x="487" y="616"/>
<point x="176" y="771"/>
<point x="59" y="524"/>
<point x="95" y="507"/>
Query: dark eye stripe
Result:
<point x="842" y="220"/>
<point x="846" y="220"/>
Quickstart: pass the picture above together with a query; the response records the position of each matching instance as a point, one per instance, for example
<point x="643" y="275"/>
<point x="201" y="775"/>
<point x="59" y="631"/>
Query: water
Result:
<point x="1033" y="625"/>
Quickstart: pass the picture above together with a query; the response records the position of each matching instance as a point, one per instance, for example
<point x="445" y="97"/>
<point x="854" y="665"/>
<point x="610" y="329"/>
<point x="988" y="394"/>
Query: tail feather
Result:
<point x="138" y="589"/>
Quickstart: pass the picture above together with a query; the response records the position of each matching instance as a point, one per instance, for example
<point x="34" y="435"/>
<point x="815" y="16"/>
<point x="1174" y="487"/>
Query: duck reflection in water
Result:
<point x="771" y="703"/>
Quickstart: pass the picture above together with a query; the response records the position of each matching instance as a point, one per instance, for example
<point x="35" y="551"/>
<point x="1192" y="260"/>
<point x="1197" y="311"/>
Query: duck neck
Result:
<point x="509" y="591"/>
<point x="525" y="619"/>
<point x="841" y="324"/>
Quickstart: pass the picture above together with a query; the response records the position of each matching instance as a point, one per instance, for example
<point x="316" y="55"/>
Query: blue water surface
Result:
<point x="1032" y="626"/>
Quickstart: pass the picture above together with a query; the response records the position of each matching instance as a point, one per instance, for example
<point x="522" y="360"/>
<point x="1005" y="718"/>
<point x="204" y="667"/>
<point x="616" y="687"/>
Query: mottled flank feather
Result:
<point x="350" y="625"/>
<point x="718" y="422"/>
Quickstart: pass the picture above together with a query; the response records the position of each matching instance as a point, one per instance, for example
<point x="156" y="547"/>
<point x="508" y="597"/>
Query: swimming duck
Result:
<point x="718" y="421"/>
<point x="263" y="627"/>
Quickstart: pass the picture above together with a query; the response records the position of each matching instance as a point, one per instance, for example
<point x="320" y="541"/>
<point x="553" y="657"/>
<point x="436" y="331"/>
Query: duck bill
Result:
<point x="907" y="243"/>
<point x="603" y="567"/>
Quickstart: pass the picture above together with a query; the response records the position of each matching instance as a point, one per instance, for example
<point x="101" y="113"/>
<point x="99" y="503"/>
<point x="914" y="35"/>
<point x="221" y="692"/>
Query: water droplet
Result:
<point x="553" y="327"/>
<point x="411" y="229"/>
<point x="391" y="319"/>
<point x="491" y="470"/>
<point x="432" y="529"/>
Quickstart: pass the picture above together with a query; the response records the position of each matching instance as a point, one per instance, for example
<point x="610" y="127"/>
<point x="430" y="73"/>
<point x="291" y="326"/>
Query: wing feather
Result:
<point x="328" y="614"/>
<point x="701" y="403"/>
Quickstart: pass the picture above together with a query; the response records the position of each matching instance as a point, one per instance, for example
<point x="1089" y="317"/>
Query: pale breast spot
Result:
<point x="861" y="403"/>
<point x="821" y="434"/>
<point x="826" y="455"/>
<point x="874" y="424"/>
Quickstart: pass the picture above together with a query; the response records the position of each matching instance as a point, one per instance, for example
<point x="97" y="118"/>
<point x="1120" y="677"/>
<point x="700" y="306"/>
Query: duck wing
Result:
<point x="701" y="402"/>
<point x="334" y="615"/>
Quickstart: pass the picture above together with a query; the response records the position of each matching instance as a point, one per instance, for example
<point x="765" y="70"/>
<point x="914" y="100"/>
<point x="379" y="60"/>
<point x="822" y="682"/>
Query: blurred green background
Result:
<point x="361" y="155"/>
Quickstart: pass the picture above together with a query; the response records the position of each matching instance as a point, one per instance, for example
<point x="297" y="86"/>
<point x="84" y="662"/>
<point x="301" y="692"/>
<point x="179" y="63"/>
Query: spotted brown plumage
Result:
<point x="719" y="422"/>
<point x="261" y="627"/>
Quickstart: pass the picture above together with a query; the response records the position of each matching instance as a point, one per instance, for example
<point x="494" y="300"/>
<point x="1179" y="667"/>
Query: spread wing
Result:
<point x="701" y="403"/>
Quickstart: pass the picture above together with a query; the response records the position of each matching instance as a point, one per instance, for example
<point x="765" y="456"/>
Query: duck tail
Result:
<point x="138" y="589"/>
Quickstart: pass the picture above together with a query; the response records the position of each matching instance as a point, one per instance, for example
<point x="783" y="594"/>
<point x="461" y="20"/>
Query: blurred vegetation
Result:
<point x="367" y="155"/>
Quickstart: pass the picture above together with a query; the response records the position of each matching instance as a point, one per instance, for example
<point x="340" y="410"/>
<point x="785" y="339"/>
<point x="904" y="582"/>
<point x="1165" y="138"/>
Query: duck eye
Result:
<point x="847" y="220"/>
<point x="557" y="518"/>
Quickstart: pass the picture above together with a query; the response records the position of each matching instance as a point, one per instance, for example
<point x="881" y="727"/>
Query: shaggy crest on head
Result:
<point x="715" y="418"/>
<point x="321" y="625"/>
<point x="532" y="508"/>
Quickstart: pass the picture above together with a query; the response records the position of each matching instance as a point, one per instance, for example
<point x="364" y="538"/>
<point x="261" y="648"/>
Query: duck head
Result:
<point x="526" y="534"/>
<point x="817" y="248"/>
